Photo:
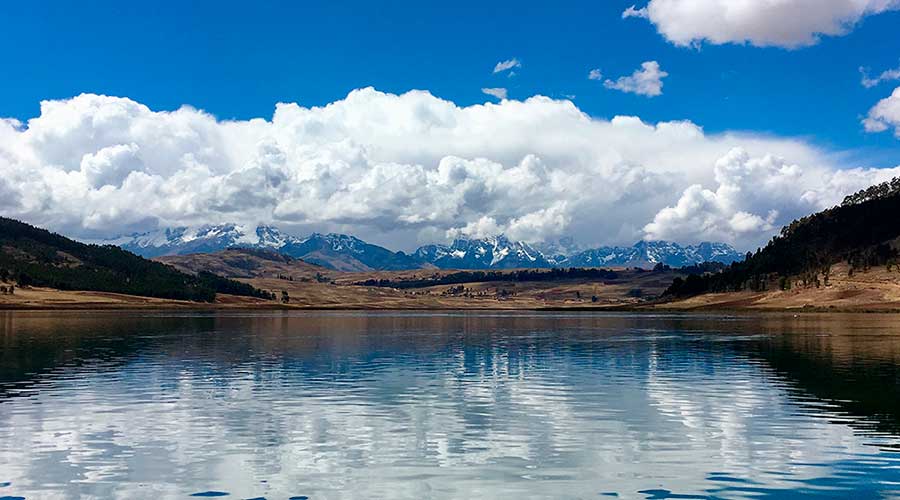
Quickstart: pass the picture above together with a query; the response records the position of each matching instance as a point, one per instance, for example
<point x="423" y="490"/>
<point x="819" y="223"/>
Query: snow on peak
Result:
<point x="495" y="252"/>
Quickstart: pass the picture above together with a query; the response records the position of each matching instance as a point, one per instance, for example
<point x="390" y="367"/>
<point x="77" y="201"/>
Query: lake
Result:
<point x="448" y="405"/>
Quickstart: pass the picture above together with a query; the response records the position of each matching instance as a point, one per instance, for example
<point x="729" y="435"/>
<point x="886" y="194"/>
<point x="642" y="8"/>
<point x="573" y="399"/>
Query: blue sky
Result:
<point x="237" y="61"/>
<point x="759" y="116"/>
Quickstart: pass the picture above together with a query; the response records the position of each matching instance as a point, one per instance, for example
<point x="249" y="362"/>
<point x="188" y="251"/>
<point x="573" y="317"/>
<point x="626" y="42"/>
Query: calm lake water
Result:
<point x="448" y="405"/>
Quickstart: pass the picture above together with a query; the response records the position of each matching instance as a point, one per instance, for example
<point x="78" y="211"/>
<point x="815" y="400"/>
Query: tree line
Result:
<point x="488" y="276"/>
<point x="857" y="231"/>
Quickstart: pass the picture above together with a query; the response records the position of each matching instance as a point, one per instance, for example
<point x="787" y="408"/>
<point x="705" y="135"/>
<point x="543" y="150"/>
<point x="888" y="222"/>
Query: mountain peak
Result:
<point x="340" y="242"/>
<point x="492" y="252"/>
<point x="202" y="238"/>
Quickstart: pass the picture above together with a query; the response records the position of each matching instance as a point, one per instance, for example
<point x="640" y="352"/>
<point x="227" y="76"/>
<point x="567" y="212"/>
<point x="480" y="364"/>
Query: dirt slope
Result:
<point x="875" y="289"/>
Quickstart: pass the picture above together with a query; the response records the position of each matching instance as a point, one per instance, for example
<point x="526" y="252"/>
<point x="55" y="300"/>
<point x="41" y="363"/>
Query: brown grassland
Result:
<point x="314" y="287"/>
<point x="875" y="290"/>
<point x="335" y="290"/>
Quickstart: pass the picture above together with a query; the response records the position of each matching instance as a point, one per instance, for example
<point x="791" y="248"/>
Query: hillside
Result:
<point x="876" y="289"/>
<point x="505" y="289"/>
<point x="30" y="256"/>
<point x="862" y="232"/>
<point x="246" y="263"/>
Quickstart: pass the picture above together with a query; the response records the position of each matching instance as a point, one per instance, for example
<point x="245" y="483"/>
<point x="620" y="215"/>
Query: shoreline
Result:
<point x="640" y="309"/>
<point x="876" y="292"/>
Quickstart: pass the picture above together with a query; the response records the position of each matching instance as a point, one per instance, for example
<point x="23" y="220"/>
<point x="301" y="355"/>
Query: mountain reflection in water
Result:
<point x="448" y="405"/>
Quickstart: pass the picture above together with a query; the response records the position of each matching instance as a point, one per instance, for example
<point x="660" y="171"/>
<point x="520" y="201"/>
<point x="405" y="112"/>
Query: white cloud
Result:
<point x="499" y="92"/>
<point x="539" y="225"/>
<point x="885" y="76"/>
<point x="646" y="81"/>
<point x="884" y="115"/>
<point x="507" y="65"/>
<point x="110" y="165"/>
<point x="595" y="74"/>
<point x="633" y="12"/>
<point x="763" y="23"/>
<point x="531" y="227"/>
<point x="403" y="169"/>
<point x="481" y="228"/>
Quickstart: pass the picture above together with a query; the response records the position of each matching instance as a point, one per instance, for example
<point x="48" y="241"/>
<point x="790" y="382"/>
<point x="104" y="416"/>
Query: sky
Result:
<point x="412" y="122"/>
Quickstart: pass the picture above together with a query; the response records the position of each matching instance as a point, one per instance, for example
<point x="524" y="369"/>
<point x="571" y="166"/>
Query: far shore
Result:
<point x="44" y="299"/>
<point x="875" y="290"/>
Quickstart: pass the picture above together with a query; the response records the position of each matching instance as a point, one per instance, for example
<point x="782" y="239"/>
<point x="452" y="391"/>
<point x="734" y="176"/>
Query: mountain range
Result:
<point x="348" y="253"/>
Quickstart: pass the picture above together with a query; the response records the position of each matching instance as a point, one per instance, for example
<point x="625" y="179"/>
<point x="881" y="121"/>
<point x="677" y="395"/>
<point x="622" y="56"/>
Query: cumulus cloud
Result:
<point x="595" y="74"/>
<point x="482" y="228"/>
<point x="755" y="195"/>
<point x="538" y="225"/>
<point x="400" y="170"/>
<point x="885" y="115"/>
<point x="110" y="165"/>
<point x="885" y="76"/>
<point x="763" y="23"/>
<point x="498" y="92"/>
<point x="507" y="65"/>
<point x="745" y="184"/>
<point x="646" y="81"/>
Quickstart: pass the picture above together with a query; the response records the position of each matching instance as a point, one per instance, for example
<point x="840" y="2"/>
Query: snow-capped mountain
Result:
<point x="203" y="239"/>
<point x="559" y="250"/>
<point x="348" y="253"/>
<point x="647" y="254"/>
<point x="497" y="252"/>
<point x="501" y="253"/>
<point x="336" y="251"/>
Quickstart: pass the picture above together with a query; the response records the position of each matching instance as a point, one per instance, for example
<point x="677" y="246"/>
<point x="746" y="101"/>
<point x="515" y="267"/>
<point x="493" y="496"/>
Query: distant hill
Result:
<point x="245" y="263"/>
<point x="31" y="256"/>
<point x="862" y="231"/>
<point x="348" y="253"/>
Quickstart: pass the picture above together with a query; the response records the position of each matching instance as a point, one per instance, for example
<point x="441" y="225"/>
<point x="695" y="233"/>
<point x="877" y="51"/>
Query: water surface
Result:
<point x="448" y="405"/>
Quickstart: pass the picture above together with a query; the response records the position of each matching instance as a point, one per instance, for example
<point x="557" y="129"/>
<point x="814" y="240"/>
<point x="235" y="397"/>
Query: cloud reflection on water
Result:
<point x="412" y="406"/>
